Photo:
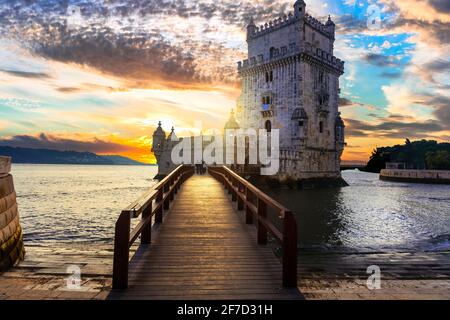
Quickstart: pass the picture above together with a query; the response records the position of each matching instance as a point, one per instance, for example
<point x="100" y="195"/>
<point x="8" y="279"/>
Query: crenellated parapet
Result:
<point x="272" y="25"/>
<point x="326" y="29"/>
<point x="285" y="20"/>
<point x="307" y="52"/>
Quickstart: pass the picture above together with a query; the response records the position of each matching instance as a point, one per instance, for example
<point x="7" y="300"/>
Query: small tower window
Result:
<point x="268" y="126"/>
<point x="271" y="76"/>
<point x="267" y="77"/>
<point x="321" y="126"/>
<point x="301" y="123"/>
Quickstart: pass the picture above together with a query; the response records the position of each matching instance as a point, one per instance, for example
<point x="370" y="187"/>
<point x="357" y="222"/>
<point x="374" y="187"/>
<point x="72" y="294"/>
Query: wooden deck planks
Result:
<point x="204" y="250"/>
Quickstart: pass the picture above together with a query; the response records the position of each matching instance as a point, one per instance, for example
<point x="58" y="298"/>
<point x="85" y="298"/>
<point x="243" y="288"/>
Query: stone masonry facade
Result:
<point x="290" y="82"/>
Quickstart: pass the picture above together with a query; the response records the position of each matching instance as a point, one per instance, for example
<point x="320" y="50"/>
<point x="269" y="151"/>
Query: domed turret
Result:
<point x="299" y="8"/>
<point x="251" y="29"/>
<point x="232" y="123"/>
<point x="330" y="26"/>
<point x="159" y="138"/>
<point x="172" y="136"/>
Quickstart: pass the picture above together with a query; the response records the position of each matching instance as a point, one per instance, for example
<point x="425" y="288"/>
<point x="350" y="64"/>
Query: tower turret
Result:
<point x="159" y="139"/>
<point x="299" y="8"/>
<point x="232" y="123"/>
<point x="251" y="29"/>
<point x="331" y="27"/>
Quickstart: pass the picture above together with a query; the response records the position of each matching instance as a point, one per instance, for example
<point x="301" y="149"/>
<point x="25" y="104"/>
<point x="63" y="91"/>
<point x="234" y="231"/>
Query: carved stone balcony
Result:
<point x="267" y="110"/>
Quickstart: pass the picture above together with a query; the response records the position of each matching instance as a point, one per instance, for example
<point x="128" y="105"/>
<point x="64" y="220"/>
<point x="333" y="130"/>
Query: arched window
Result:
<point x="268" y="126"/>
<point x="272" y="52"/>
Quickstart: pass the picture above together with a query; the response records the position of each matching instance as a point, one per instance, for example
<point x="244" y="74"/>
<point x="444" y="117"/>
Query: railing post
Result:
<point x="167" y="200"/>
<point x="159" y="212"/>
<point x="171" y="195"/>
<point x="121" y="252"/>
<point x="262" y="213"/>
<point x="240" y="201"/>
<point x="289" y="251"/>
<point x="146" y="236"/>
<point x="233" y="190"/>
<point x="248" y="211"/>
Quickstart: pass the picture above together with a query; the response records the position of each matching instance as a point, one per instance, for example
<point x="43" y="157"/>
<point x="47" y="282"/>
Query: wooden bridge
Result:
<point x="208" y="246"/>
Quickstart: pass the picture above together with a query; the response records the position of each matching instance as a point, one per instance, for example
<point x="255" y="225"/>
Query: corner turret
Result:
<point x="251" y="29"/>
<point x="159" y="139"/>
<point x="330" y="26"/>
<point x="299" y="9"/>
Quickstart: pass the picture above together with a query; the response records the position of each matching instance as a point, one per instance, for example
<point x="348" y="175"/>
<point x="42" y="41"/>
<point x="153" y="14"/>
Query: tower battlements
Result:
<point x="273" y="25"/>
<point x="297" y="35"/>
<point x="306" y="51"/>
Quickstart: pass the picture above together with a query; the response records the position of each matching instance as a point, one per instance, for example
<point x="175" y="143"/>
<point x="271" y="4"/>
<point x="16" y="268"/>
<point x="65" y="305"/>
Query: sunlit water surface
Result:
<point x="68" y="203"/>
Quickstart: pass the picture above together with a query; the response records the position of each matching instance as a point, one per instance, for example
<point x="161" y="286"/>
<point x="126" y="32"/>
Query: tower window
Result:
<point x="267" y="77"/>
<point x="321" y="126"/>
<point x="268" y="126"/>
<point x="301" y="123"/>
<point x="271" y="76"/>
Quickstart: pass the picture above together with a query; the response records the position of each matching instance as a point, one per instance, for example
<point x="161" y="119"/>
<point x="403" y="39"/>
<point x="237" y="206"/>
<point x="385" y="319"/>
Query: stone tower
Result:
<point x="290" y="82"/>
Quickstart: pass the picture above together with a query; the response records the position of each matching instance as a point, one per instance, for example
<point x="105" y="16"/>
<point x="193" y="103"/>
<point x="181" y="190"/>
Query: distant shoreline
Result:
<point x="84" y="164"/>
<point x="49" y="156"/>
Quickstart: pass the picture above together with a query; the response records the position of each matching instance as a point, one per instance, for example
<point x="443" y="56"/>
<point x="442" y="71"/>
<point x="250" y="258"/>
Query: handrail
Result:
<point x="151" y="203"/>
<point x="255" y="203"/>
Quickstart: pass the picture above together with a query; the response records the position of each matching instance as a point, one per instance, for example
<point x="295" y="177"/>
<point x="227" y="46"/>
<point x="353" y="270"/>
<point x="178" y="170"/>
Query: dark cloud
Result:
<point x="68" y="89"/>
<point x="144" y="58"/>
<point x="380" y="60"/>
<point x="393" y="129"/>
<point x="44" y="141"/>
<point x="442" y="109"/>
<point x="438" y="65"/>
<point x="344" y="102"/>
<point x="391" y="74"/>
<point x="26" y="74"/>
<point x="441" y="5"/>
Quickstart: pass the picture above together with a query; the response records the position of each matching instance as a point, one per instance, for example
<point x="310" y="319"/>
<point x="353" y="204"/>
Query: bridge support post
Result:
<point x="290" y="251"/>
<point x="262" y="214"/>
<point x="146" y="236"/>
<point x="121" y="252"/>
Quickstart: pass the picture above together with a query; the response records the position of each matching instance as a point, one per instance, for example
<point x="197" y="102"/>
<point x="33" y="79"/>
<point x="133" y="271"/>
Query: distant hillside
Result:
<point x="46" y="156"/>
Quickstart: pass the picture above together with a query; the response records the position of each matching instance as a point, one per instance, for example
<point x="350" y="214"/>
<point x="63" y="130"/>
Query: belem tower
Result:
<point x="290" y="82"/>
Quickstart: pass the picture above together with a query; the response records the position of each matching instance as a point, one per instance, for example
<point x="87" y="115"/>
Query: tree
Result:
<point x="439" y="160"/>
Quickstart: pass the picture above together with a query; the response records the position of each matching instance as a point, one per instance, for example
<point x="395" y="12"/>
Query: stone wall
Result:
<point x="11" y="242"/>
<point x="419" y="176"/>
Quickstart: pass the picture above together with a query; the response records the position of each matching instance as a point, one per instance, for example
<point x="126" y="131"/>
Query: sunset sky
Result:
<point x="101" y="78"/>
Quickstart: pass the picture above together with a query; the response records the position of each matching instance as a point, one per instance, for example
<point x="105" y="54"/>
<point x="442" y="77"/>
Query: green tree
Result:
<point x="439" y="160"/>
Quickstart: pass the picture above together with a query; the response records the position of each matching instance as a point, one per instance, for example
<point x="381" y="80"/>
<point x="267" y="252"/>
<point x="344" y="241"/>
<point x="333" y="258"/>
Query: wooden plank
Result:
<point x="204" y="250"/>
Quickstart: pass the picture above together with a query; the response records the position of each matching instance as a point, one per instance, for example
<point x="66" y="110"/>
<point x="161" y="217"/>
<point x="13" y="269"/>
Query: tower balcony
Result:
<point x="267" y="110"/>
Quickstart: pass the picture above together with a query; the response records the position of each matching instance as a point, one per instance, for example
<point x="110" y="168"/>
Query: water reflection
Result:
<point x="371" y="215"/>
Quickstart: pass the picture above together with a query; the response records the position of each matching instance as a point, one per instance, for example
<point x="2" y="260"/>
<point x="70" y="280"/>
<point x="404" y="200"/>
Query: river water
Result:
<point x="69" y="203"/>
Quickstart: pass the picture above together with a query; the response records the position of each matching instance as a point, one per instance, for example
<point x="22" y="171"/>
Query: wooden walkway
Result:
<point x="204" y="250"/>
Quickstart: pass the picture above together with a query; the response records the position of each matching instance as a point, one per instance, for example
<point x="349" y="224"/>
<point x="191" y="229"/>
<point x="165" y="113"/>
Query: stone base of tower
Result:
<point x="298" y="183"/>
